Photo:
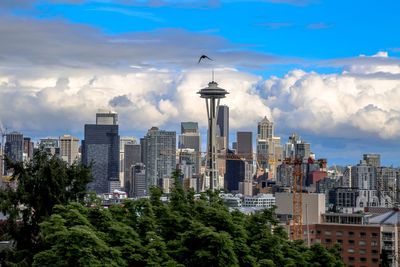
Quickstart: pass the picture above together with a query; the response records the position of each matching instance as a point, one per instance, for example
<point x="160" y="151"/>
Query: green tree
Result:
<point x="146" y="232"/>
<point x="42" y="183"/>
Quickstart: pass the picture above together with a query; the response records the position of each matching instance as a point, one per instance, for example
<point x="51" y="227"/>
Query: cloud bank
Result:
<point x="55" y="75"/>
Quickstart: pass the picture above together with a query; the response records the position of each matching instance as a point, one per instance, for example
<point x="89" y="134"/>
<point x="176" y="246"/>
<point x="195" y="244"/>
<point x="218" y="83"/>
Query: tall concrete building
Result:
<point x="122" y="142"/>
<point x="363" y="176"/>
<point x="265" y="129"/>
<point x="264" y="143"/>
<point x="245" y="145"/>
<point x="140" y="185"/>
<point x="28" y="148"/>
<point x="160" y="155"/>
<point x="223" y="126"/>
<point x="101" y="149"/>
<point x="372" y="159"/>
<point x="303" y="150"/>
<point x="132" y="156"/>
<point x="69" y="148"/>
<point x="143" y="146"/>
<point x="296" y="147"/>
<point x="51" y="145"/>
<point x="190" y="139"/>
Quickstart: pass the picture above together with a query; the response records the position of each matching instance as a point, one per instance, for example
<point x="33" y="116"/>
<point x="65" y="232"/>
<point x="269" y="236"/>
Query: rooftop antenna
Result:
<point x="212" y="74"/>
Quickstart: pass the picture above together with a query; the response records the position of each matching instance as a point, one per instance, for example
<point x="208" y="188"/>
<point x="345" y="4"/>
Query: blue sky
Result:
<point x="279" y="53"/>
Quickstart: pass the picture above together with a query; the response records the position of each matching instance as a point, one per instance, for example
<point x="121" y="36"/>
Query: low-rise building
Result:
<point x="261" y="200"/>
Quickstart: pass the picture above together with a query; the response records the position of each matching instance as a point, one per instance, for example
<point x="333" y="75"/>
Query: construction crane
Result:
<point x="297" y="189"/>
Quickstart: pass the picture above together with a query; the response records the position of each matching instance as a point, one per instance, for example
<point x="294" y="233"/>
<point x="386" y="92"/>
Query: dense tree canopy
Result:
<point x="42" y="183"/>
<point x="146" y="232"/>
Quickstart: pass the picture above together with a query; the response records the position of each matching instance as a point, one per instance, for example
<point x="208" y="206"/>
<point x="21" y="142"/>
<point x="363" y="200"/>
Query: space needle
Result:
<point x="212" y="94"/>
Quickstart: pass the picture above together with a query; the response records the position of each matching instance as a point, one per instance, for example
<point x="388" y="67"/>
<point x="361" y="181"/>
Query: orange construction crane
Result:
<point x="297" y="189"/>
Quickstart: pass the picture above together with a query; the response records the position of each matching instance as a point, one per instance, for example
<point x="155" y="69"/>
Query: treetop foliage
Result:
<point x="64" y="231"/>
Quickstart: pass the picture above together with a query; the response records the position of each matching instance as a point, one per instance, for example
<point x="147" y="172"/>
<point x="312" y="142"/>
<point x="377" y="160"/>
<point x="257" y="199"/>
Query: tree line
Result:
<point x="52" y="222"/>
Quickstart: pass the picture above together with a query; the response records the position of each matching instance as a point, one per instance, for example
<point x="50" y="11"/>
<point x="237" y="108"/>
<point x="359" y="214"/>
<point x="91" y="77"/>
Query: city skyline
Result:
<point x="332" y="79"/>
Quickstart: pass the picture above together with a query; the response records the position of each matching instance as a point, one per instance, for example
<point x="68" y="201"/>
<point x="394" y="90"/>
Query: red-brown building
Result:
<point x="360" y="244"/>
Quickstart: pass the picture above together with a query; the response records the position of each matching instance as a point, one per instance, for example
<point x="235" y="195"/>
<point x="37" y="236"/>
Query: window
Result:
<point x="363" y="251"/>
<point x="363" y="259"/>
<point x="374" y="243"/>
<point x="375" y="260"/>
<point x="374" y="234"/>
<point x="350" y="250"/>
<point x="363" y="234"/>
<point x="328" y="240"/>
<point x="351" y="259"/>
<point x="351" y="241"/>
<point x="318" y="232"/>
<point x="339" y="233"/>
<point x="374" y="251"/>
<point x="340" y="241"/>
<point x="327" y="233"/>
<point x="351" y="233"/>
<point x="361" y="243"/>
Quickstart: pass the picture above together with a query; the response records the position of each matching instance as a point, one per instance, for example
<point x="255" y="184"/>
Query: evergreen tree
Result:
<point x="42" y="183"/>
<point x="146" y="232"/>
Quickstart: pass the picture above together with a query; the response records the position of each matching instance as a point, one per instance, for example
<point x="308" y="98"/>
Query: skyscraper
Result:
<point x="235" y="171"/>
<point x="265" y="129"/>
<point x="143" y="146"/>
<point x="190" y="139"/>
<point x="50" y="145"/>
<point x="28" y="148"/>
<point x="265" y="133"/>
<point x="132" y="156"/>
<point x="69" y="148"/>
<point x="101" y="149"/>
<point x="160" y="155"/>
<point x="303" y="150"/>
<point x="140" y="187"/>
<point x="122" y="142"/>
<point x="223" y="125"/>
<point x="245" y="145"/>
<point x="373" y="159"/>
<point x="13" y="148"/>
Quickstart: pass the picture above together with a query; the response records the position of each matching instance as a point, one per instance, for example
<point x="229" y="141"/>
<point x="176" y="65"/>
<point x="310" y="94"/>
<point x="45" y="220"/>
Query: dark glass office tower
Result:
<point x="101" y="149"/>
<point x="223" y="124"/>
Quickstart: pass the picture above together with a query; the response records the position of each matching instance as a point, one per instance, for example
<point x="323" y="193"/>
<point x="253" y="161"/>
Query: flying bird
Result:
<point x="203" y="57"/>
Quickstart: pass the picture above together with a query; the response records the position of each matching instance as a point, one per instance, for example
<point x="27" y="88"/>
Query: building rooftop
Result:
<point x="389" y="218"/>
<point x="189" y="126"/>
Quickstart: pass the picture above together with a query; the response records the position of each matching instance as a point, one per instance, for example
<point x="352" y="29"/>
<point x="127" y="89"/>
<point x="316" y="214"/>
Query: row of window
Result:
<point x="352" y="242"/>
<point x="362" y="251"/>
<point x="352" y="259"/>
<point x="350" y="233"/>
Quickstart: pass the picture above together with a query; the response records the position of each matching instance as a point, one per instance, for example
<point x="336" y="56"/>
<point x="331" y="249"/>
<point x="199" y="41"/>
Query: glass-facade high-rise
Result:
<point x="223" y="125"/>
<point x="160" y="155"/>
<point x="101" y="149"/>
<point x="14" y="146"/>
